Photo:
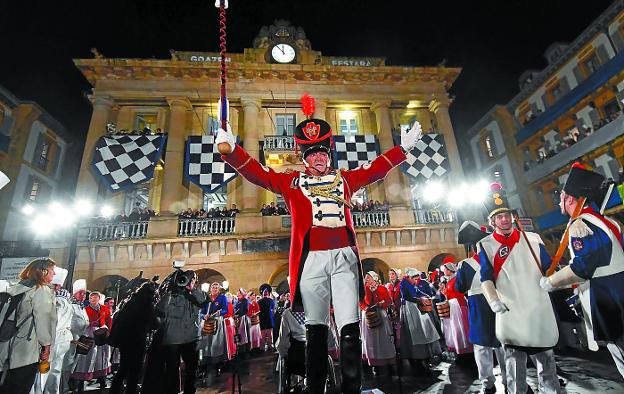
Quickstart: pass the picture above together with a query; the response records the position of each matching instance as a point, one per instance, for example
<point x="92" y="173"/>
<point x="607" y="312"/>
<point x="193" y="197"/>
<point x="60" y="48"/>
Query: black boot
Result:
<point x="350" y="355"/>
<point x="316" y="358"/>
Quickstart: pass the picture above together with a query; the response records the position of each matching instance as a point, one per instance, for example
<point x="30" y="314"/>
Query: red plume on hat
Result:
<point x="578" y="165"/>
<point x="307" y="105"/>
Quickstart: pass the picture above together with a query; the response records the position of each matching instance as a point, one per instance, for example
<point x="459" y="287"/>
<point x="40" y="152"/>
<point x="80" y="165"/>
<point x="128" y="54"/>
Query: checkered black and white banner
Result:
<point x="353" y="151"/>
<point x="203" y="164"/>
<point x="428" y="159"/>
<point x="123" y="161"/>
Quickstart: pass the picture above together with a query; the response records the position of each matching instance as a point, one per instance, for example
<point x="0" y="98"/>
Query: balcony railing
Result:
<point x="433" y="216"/>
<point x="371" y="219"/>
<point x="279" y="143"/>
<point x="113" y="231"/>
<point x="209" y="226"/>
<point x="591" y="142"/>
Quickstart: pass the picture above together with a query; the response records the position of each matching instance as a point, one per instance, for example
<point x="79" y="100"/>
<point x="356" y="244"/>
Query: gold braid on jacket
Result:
<point x="324" y="191"/>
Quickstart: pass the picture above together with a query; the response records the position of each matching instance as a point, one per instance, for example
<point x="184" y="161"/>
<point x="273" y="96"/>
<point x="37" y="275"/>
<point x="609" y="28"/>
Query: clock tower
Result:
<point x="282" y="43"/>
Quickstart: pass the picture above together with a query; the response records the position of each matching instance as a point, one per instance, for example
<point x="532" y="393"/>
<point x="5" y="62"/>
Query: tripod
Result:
<point x="234" y="361"/>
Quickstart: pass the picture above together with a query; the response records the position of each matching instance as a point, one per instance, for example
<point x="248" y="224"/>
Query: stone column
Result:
<point x="87" y="186"/>
<point x="439" y="107"/>
<point x="174" y="194"/>
<point x="251" y="136"/>
<point x="320" y="111"/>
<point x="395" y="191"/>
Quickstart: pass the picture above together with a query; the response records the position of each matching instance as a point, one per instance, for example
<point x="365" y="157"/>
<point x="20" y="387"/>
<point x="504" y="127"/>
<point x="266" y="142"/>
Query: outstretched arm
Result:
<point x="247" y="166"/>
<point x="375" y="171"/>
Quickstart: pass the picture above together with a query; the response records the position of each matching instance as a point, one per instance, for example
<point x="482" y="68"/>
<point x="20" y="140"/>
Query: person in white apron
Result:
<point x="597" y="261"/>
<point x="510" y="280"/>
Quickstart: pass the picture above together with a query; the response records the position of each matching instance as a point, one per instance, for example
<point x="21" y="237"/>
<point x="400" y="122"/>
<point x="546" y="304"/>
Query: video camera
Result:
<point x="178" y="278"/>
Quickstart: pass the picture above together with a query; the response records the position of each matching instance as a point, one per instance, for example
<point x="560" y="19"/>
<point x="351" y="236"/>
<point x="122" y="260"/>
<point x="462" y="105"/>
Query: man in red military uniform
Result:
<point x="324" y="264"/>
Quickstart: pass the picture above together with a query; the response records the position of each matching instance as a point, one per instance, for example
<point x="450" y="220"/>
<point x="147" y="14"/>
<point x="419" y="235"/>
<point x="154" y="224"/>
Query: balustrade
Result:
<point x="208" y="226"/>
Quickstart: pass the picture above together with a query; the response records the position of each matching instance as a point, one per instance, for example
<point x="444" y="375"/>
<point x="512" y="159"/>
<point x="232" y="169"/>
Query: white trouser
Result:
<point x="485" y="364"/>
<point x="618" y="356"/>
<point x="516" y="360"/>
<point x="330" y="275"/>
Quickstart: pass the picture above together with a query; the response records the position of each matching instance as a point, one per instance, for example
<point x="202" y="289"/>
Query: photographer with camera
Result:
<point x="179" y="310"/>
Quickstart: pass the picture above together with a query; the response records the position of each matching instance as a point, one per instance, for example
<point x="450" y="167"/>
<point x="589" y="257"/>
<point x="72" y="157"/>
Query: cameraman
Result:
<point x="179" y="310"/>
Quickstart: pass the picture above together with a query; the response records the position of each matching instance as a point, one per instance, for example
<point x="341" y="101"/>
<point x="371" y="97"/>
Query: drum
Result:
<point x="84" y="345"/>
<point x="425" y="305"/>
<point x="209" y="327"/>
<point x="373" y="318"/>
<point x="100" y="335"/>
<point x="393" y="313"/>
<point x="444" y="309"/>
<point x="255" y="320"/>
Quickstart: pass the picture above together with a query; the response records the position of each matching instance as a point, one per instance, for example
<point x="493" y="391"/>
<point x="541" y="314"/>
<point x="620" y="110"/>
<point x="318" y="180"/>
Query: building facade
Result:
<point x="570" y="111"/>
<point x="178" y="97"/>
<point x="33" y="148"/>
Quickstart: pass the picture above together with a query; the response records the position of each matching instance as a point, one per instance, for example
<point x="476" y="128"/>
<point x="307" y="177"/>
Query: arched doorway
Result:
<point x="279" y="279"/>
<point x="437" y="261"/>
<point x="207" y="275"/>
<point x="109" y="285"/>
<point x="377" y="265"/>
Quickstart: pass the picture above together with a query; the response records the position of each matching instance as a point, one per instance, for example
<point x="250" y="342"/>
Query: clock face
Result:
<point x="283" y="53"/>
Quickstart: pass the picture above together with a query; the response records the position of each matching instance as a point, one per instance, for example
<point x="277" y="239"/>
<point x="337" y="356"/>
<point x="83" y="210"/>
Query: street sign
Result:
<point x="10" y="267"/>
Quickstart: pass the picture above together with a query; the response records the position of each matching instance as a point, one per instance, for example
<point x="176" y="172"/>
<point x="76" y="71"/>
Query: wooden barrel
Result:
<point x="210" y="326"/>
<point x="425" y="305"/>
<point x="100" y="335"/>
<point x="373" y="318"/>
<point x="84" y="345"/>
<point x="255" y="320"/>
<point x="444" y="309"/>
<point x="393" y="313"/>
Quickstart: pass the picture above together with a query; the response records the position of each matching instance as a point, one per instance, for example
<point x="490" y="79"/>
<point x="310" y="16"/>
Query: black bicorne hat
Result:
<point x="583" y="183"/>
<point x="470" y="233"/>
<point x="264" y="287"/>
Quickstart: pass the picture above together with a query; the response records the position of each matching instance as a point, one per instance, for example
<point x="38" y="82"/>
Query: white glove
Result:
<point x="410" y="137"/>
<point x="218" y="3"/>
<point x="546" y="284"/>
<point x="228" y="138"/>
<point x="498" y="306"/>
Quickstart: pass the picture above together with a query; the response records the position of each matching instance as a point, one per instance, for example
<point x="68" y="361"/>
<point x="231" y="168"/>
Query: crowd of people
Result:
<point x="373" y="205"/>
<point x="273" y="209"/>
<point x="215" y="212"/>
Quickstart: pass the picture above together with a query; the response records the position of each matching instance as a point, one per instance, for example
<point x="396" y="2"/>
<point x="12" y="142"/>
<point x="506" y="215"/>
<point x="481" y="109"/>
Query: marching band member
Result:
<point x="595" y="245"/>
<point x="323" y="261"/>
<point x="377" y="344"/>
<point x="394" y="288"/>
<point x="510" y="280"/>
<point x="455" y="325"/>
<point x="267" y="306"/>
<point x="480" y="316"/>
<point x="242" y="322"/>
<point x="419" y="337"/>
<point x="253" y="313"/>
<point x="230" y="327"/>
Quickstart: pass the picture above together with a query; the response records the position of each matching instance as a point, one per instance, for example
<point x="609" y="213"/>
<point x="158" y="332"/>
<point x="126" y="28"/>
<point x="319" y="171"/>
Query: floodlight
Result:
<point x="205" y="287"/>
<point x="433" y="191"/>
<point x="106" y="211"/>
<point x="226" y="284"/>
<point x="28" y="209"/>
<point x="83" y="207"/>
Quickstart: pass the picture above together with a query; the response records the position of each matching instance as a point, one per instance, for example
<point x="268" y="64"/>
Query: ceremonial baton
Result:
<point x="566" y="237"/>
<point x="517" y="219"/>
<point x="222" y="5"/>
<point x="607" y="198"/>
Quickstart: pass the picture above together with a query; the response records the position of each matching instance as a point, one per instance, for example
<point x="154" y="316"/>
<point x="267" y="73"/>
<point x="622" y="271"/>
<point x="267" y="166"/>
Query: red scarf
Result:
<point x="612" y="227"/>
<point x="507" y="244"/>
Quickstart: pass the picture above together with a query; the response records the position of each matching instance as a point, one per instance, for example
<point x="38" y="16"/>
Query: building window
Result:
<point x="145" y="121"/>
<point x="490" y="149"/>
<point x="284" y="124"/>
<point x="34" y="191"/>
<point x="591" y="65"/>
<point x="43" y="152"/>
<point x="212" y="125"/>
<point x="348" y="123"/>
<point x="37" y="191"/>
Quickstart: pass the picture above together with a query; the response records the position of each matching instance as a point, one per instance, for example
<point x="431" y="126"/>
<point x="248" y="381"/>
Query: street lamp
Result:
<point x="58" y="217"/>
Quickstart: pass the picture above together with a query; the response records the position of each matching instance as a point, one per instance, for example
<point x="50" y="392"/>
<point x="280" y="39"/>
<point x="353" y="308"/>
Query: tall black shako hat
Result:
<point x="496" y="202"/>
<point x="313" y="135"/>
<point x="264" y="287"/>
<point x="470" y="233"/>
<point x="582" y="182"/>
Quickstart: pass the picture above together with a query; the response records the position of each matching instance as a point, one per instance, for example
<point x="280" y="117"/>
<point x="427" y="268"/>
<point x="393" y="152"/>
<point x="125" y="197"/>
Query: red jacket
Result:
<point x="394" y="289"/>
<point x="452" y="293"/>
<point x="103" y="317"/>
<point x="253" y="309"/>
<point x="300" y="207"/>
<point x="376" y="297"/>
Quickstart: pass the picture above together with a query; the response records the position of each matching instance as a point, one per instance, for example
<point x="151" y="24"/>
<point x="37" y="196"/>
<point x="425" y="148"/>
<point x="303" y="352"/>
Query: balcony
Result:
<point x="434" y="216"/>
<point x="204" y="227"/>
<point x="371" y="219"/>
<point x="279" y="143"/>
<point x="593" y="141"/>
<point x="114" y="231"/>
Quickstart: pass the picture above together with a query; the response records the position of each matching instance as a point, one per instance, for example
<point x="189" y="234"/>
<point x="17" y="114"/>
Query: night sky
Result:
<point x="494" y="41"/>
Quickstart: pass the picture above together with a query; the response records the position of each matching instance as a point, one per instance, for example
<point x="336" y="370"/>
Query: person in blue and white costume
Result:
<point x="481" y="319"/>
<point x="419" y="337"/>
<point x="213" y="348"/>
<point x="597" y="261"/>
<point x="510" y="279"/>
